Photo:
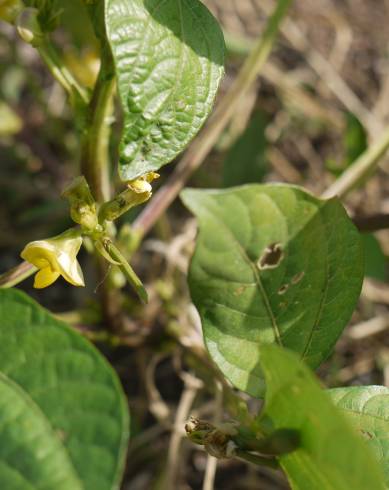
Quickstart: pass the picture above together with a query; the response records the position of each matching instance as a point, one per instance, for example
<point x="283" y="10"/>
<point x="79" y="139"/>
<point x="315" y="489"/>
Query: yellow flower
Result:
<point x="55" y="257"/>
<point x="138" y="191"/>
<point x="142" y="185"/>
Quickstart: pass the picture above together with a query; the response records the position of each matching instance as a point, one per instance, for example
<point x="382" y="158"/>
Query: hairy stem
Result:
<point x="218" y="121"/>
<point x="95" y="167"/>
<point x="257" y="460"/>
<point x="95" y="145"/>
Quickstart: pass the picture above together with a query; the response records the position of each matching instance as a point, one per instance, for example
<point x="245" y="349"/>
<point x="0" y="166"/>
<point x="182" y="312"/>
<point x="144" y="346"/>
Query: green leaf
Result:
<point x="246" y="162"/>
<point x="367" y="408"/>
<point x="375" y="260"/>
<point x="354" y="143"/>
<point x="331" y="455"/>
<point x="169" y="62"/>
<point x="355" y="139"/>
<point x="272" y="264"/>
<point x="63" y="416"/>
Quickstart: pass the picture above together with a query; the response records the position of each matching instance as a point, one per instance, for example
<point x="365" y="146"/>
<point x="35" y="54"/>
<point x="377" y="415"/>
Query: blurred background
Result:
<point x="322" y="98"/>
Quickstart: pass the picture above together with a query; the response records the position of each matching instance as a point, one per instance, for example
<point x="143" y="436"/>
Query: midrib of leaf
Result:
<point x="321" y="304"/>
<point x="258" y="280"/>
<point x="179" y="72"/>
<point x="19" y="389"/>
<point x="181" y="57"/>
<point x="205" y="37"/>
<point x="145" y="36"/>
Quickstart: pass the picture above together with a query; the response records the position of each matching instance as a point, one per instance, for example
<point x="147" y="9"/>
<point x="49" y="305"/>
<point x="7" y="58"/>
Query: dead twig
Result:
<point x="374" y="222"/>
<point x="192" y="385"/>
<point x="210" y="470"/>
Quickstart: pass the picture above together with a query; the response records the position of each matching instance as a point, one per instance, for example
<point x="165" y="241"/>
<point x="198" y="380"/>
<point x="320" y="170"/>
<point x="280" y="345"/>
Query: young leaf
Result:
<point x="354" y="142"/>
<point x="169" y="62"/>
<point x="331" y="455"/>
<point x="355" y="139"/>
<point x="63" y="416"/>
<point x="376" y="263"/>
<point x="367" y="408"/>
<point x="246" y="162"/>
<point x="272" y="264"/>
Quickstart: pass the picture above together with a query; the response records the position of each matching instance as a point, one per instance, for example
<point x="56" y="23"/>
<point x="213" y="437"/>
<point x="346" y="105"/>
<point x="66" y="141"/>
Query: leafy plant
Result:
<point x="275" y="276"/>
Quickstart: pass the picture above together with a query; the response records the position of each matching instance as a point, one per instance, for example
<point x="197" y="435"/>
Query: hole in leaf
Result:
<point x="271" y="257"/>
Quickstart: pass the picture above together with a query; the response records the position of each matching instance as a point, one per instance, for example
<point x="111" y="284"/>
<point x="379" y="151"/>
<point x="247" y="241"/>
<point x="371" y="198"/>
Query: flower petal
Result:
<point x="140" y="186"/>
<point x="40" y="253"/>
<point x="45" y="277"/>
<point x="70" y="269"/>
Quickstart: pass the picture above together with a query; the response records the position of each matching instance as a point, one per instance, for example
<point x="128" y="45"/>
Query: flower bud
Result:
<point x="138" y="191"/>
<point x="82" y="205"/>
<point x="28" y="26"/>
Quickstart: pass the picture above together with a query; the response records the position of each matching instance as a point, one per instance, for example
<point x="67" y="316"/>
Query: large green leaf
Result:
<point x="367" y="407"/>
<point x="169" y="61"/>
<point x="63" y="416"/>
<point x="331" y="456"/>
<point x="272" y="264"/>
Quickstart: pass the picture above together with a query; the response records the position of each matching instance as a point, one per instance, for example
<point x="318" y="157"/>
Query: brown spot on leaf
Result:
<point x="271" y="257"/>
<point x="61" y="434"/>
<point x="239" y="291"/>
<point x="283" y="289"/>
<point x="366" y="434"/>
<point x="298" y="277"/>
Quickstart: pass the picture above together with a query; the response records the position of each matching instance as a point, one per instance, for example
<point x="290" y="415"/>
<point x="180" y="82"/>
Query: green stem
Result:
<point x="218" y="121"/>
<point x="95" y="146"/>
<point x="360" y="170"/>
<point x="16" y="275"/>
<point x="60" y="72"/>
<point x="258" y="460"/>
<point x="127" y="270"/>
<point x="95" y="166"/>
<point x="200" y="360"/>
